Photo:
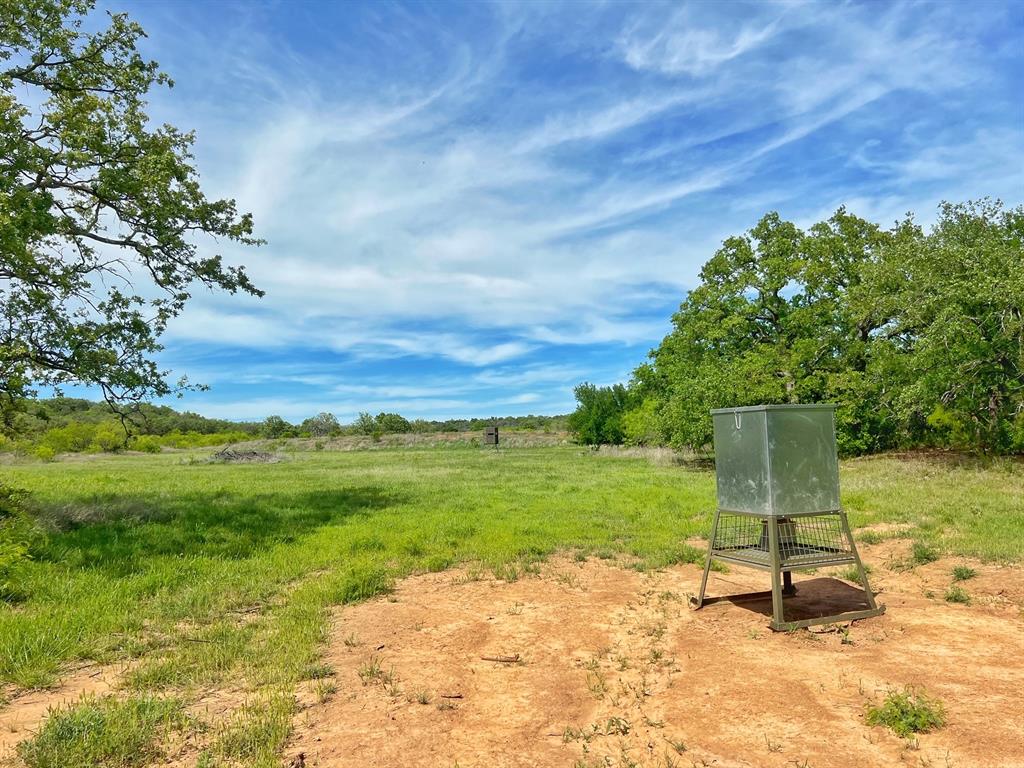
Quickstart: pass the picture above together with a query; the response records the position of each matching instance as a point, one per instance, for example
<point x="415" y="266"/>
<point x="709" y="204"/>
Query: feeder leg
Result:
<point x="707" y="563"/>
<point x="860" y="566"/>
<point x="787" y="583"/>
<point x="773" y="549"/>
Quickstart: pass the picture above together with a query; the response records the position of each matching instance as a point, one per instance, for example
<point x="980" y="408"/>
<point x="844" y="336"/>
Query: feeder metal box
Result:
<point x="776" y="460"/>
<point x="490" y="436"/>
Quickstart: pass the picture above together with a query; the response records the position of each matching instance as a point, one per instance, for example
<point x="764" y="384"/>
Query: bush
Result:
<point x="391" y="423"/>
<point x="146" y="444"/>
<point x="108" y="438"/>
<point x="597" y="419"/>
<point x="44" y="453"/>
<point x="906" y="713"/>
<point x="641" y="424"/>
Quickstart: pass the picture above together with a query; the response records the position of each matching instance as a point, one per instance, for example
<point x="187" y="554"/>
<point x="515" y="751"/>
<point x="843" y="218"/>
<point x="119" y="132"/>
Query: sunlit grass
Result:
<point x="104" y="733"/>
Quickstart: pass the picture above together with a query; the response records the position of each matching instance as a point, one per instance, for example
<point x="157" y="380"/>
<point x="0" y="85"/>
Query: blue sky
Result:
<point x="472" y="207"/>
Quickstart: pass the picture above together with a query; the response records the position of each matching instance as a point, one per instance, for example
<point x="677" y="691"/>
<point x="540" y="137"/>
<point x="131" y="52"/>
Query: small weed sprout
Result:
<point x="907" y="712"/>
<point x="596" y="683"/>
<point x="617" y="726"/>
<point x="324" y="689"/>
<point x="677" y="744"/>
<point x="370" y="671"/>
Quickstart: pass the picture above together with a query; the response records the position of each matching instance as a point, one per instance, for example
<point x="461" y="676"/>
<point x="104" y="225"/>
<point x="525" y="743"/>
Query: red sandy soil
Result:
<point x="637" y="678"/>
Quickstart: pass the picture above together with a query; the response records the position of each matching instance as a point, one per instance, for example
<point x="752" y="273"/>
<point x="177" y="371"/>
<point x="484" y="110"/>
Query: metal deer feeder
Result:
<point x="491" y="436"/>
<point x="778" y="502"/>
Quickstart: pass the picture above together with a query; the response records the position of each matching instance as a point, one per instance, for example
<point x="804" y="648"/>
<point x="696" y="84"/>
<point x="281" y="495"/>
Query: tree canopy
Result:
<point x="104" y="228"/>
<point x="917" y="336"/>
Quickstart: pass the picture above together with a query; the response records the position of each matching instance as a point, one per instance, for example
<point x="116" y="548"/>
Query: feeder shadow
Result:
<point x="814" y="599"/>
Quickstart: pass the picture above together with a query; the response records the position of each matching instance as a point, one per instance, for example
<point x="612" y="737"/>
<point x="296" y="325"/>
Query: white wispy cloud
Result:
<point x="481" y="188"/>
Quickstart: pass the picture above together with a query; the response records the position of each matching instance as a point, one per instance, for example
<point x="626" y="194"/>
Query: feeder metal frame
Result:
<point x="778" y="490"/>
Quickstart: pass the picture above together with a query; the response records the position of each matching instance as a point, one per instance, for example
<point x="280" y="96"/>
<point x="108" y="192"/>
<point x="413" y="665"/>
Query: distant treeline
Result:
<point x="49" y="427"/>
<point x="918" y="337"/>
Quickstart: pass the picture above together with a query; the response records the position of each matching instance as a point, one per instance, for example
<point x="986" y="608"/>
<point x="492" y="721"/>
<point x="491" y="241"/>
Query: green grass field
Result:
<point x="208" y="573"/>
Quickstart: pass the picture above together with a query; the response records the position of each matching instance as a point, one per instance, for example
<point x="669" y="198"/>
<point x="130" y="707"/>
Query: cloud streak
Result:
<point x="463" y="189"/>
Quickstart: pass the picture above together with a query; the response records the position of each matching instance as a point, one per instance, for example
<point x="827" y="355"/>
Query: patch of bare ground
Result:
<point x="26" y="710"/>
<point x="592" y="665"/>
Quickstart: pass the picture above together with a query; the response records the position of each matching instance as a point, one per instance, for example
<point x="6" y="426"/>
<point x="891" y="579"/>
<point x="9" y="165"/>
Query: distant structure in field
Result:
<point x="491" y="436"/>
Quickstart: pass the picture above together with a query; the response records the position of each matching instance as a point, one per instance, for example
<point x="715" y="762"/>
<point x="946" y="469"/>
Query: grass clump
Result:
<point x="922" y="554"/>
<point x="104" y="732"/>
<point x="963" y="573"/>
<point x="852" y="574"/>
<point x="957" y="594"/>
<point x="256" y="734"/>
<point x="907" y="712"/>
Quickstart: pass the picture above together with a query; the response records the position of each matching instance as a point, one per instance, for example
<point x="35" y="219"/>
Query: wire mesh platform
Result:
<point x="804" y="542"/>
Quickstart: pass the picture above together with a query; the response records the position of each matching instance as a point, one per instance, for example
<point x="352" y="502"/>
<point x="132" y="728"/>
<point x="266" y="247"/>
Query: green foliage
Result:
<point x="322" y="425"/>
<point x="641" y="424"/>
<point x="922" y="553"/>
<point x="957" y="594"/>
<point x="365" y="424"/>
<point x="906" y="713"/>
<point x="963" y="573"/>
<point x="146" y="444"/>
<point x="104" y="733"/>
<point x="598" y="418"/>
<point x="275" y="427"/>
<point x="961" y="301"/>
<point x="44" y="453"/>
<point x="917" y="337"/>
<point x="109" y="437"/>
<point x="94" y="200"/>
<point x="16" y="534"/>
<point x="392" y="423"/>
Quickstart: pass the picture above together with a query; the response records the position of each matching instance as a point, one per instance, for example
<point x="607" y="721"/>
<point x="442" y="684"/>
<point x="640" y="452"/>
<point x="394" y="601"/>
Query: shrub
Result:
<point x="597" y="419"/>
<point x="108" y="438"/>
<point x="146" y="444"/>
<point x="907" y="712"/>
<point x="44" y="453"/>
<point x="391" y="423"/>
<point x="640" y="425"/>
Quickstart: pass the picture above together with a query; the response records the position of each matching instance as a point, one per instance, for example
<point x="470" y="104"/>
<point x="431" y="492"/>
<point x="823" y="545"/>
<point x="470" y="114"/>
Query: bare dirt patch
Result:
<point x="615" y="670"/>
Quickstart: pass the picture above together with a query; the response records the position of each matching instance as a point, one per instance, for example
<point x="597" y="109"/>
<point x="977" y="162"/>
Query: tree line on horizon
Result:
<point x="48" y="427"/>
<point x="916" y="335"/>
